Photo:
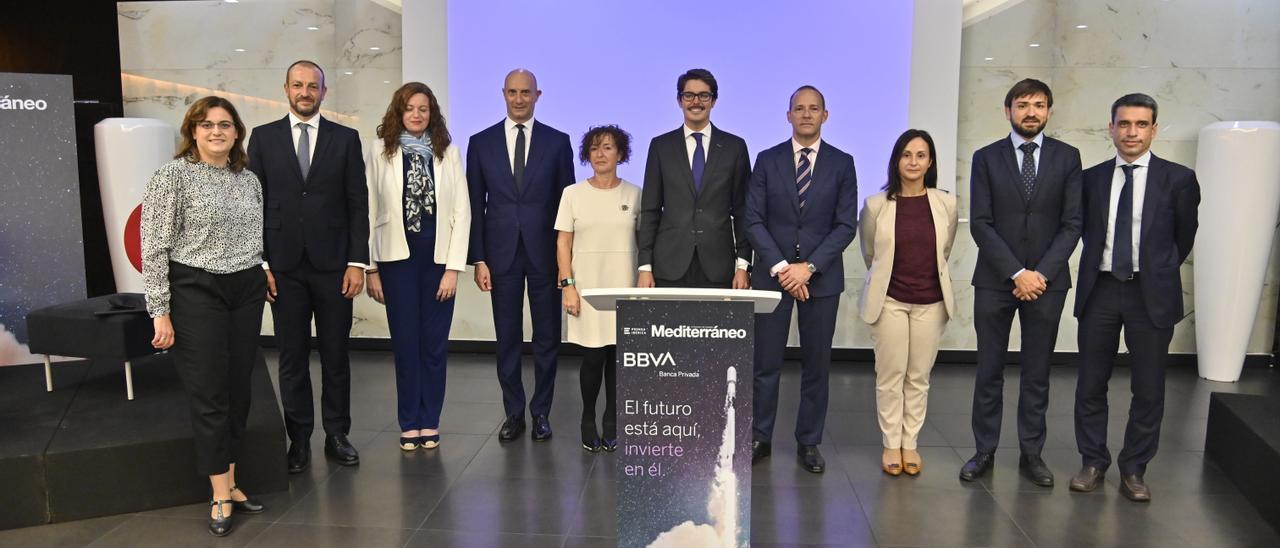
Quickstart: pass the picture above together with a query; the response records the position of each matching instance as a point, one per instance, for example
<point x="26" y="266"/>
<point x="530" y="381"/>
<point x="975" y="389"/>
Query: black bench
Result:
<point x="112" y="327"/>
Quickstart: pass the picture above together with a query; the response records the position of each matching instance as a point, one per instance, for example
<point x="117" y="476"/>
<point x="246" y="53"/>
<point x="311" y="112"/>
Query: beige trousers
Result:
<point x="906" y="344"/>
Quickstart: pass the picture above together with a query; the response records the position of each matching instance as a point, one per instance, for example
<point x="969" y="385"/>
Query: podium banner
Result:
<point x="684" y="423"/>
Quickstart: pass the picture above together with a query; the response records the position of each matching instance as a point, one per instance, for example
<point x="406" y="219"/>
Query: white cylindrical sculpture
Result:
<point x="1238" y="165"/>
<point x="129" y="150"/>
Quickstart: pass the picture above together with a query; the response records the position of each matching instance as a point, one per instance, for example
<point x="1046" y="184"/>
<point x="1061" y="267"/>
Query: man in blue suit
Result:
<point x="1025" y="218"/>
<point x="801" y="214"/>
<point x="516" y="171"/>
<point x="1139" y="223"/>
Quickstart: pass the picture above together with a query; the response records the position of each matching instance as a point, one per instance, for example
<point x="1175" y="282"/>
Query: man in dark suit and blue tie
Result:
<point x="1025" y="218"/>
<point x="516" y="171"/>
<point x="316" y="225"/>
<point x="1139" y="224"/>
<point x="801" y="214"/>
<point x="691" y="231"/>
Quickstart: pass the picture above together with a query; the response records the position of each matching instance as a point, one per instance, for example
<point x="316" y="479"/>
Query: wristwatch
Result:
<point x="565" y="283"/>
<point x="812" y="269"/>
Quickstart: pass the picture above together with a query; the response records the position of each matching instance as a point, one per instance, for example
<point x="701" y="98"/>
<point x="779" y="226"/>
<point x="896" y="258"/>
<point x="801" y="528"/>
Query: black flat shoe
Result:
<point x="590" y="441"/>
<point x="541" y="428"/>
<point x="609" y="445"/>
<point x="410" y="443"/>
<point x="811" y="459"/>
<point x="220" y="526"/>
<point x="248" y="505"/>
<point x="760" y="450"/>
<point x="977" y="466"/>
<point x="299" y="456"/>
<point x="511" y="429"/>
<point x="430" y="442"/>
<point x="339" y="449"/>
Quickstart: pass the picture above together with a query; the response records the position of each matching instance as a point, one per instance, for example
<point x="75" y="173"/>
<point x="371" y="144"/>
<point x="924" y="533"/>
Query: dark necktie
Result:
<point x="304" y="150"/>
<point x="1122" y="246"/>
<point x="699" y="162"/>
<point x="804" y="175"/>
<point x="1028" y="167"/>
<point x="518" y="170"/>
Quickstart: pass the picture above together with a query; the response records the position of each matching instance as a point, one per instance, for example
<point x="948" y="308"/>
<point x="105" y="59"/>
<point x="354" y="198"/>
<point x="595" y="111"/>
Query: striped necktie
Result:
<point x="804" y="175"/>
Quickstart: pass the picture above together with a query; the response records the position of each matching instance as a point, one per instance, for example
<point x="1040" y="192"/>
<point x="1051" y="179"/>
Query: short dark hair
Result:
<point x="698" y="74"/>
<point x="1135" y="100"/>
<point x="311" y="64"/>
<point x="791" y="100"/>
<point x="1029" y="86"/>
<point x="621" y="141"/>
<point x="894" y="184"/>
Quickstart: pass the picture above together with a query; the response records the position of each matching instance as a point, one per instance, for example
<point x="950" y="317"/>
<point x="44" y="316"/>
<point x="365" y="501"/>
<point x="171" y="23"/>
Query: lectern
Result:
<point x="684" y="413"/>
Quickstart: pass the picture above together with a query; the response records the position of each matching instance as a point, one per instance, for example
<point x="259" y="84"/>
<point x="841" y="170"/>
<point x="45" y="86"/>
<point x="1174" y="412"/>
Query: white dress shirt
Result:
<point x="1018" y="140"/>
<point x="511" y="133"/>
<point x="690" y="145"/>
<point x="1139" y="193"/>
<point x="313" y="133"/>
<point x="796" y="147"/>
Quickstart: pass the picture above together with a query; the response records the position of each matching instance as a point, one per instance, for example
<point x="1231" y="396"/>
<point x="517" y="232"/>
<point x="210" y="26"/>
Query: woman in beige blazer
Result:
<point x="907" y="232"/>
<point x="420" y="222"/>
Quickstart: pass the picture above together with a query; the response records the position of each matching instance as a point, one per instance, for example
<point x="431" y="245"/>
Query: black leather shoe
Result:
<point x="299" y="456"/>
<point x="1134" y="488"/>
<point x="609" y="445"/>
<point x="1087" y="479"/>
<point x="811" y="459"/>
<point x="339" y="449"/>
<point x="541" y="428"/>
<point x="590" y="440"/>
<point x="1034" y="468"/>
<point x="248" y="505"/>
<point x="511" y="429"/>
<point x="219" y="526"/>
<point x="978" y="465"/>
<point x="760" y="450"/>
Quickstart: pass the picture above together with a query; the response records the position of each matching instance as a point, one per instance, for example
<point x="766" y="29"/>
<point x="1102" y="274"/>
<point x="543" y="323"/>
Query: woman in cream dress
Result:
<point x="596" y="248"/>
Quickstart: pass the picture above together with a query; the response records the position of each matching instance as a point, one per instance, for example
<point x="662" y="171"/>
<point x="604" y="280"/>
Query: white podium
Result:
<point x="685" y="371"/>
<point x="1238" y="166"/>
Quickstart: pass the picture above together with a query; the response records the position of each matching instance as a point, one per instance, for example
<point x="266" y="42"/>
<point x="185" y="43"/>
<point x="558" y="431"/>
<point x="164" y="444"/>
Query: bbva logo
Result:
<point x="647" y="359"/>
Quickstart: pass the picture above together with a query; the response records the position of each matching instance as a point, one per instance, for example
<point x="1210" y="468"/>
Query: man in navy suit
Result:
<point x="1139" y="224"/>
<point x="1025" y="218"/>
<point x="692" y="232"/>
<point x="516" y="170"/>
<point x="316" y="225"/>
<point x="801" y="214"/>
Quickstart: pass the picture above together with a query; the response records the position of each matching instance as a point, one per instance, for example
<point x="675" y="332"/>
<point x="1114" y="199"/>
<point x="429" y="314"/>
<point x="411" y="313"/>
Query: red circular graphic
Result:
<point x="133" y="238"/>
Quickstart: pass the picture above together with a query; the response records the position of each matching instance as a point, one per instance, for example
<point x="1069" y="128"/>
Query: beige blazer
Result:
<point x="876" y="228"/>
<point x="385" y="177"/>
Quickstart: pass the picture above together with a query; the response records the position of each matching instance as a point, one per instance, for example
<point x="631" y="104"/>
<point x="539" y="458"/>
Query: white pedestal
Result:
<point x="129" y="151"/>
<point x="1238" y="166"/>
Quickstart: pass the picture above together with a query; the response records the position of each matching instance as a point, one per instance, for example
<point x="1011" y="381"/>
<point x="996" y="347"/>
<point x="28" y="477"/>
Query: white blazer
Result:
<point x="385" y="177"/>
<point x="877" y="225"/>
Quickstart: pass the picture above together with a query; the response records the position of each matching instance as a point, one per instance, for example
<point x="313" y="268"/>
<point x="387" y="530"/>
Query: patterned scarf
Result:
<point x="419" y="187"/>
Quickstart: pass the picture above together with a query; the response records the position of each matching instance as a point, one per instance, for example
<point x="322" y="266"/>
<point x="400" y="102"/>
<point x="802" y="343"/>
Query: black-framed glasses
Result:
<point x="689" y="96"/>
<point x="223" y="125"/>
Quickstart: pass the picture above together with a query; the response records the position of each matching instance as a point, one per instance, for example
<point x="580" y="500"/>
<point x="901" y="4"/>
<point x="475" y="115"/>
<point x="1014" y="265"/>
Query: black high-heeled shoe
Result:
<point x="590" y="441"/>
<point x="248" y="505"/>
<point x="221" y="525"/>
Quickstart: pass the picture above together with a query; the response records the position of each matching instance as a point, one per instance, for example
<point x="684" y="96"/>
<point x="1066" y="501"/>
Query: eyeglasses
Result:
<point x="689" y="96"/>
<point x="223" y="125"/>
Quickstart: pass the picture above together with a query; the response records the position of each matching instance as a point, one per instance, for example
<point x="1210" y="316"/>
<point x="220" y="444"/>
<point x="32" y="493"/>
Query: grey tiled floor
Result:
<point x="474" y="492"/>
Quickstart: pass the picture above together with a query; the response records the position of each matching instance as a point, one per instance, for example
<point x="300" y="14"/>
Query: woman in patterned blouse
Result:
<point x="205" y="287"/>
<point x="420" y="222"/>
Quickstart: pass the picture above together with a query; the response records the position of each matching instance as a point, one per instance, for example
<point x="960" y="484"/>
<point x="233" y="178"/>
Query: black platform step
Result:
<point x="1243" y="438"/>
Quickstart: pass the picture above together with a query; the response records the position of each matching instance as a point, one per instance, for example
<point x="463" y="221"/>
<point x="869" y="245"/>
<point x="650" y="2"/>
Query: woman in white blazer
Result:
<point x="420" y="222"/>
<point x="907" y="232"/>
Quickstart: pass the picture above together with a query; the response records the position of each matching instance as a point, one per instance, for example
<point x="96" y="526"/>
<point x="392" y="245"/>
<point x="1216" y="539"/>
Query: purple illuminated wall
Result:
<point x="616" y="62"/>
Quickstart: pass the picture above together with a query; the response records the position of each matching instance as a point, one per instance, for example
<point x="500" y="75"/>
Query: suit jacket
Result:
<point x="327" y="214"/>
<point x="502" y="216"/>
<point x="386" y="207"/>
<point x="780" y="231"/>
<point x="674" y="220"/>
<point x="1013" y="232"/>
<point x="878" y="223"/>
<point x="1168" y="230"/>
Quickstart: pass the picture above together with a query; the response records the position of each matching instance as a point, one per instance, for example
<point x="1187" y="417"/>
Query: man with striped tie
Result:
<point x="801" y="214"/>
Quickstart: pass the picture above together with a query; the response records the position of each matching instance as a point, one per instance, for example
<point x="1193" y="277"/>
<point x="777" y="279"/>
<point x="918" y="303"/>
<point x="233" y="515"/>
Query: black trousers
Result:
<point x="302" y="293"/>
<point x="600" y="365"/>
<point x="817" y="327"/>
<point x="993" y="311"/>
<point x="216" y="320"/>
<point x="1114" y="305"/>
<point x="694" y="277"/>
